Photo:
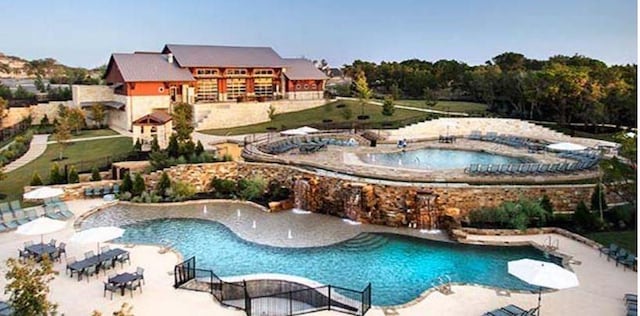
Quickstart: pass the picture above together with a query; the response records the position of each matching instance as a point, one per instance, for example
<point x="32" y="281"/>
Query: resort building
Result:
<point x="143" y="82"/>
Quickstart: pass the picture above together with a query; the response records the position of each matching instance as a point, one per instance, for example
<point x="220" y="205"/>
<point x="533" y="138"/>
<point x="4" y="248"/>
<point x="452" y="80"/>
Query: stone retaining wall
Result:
<point x="461" y="234"/>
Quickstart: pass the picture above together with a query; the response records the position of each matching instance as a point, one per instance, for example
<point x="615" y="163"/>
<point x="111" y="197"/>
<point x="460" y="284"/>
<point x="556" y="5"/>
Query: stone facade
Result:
<point x="383" y="204"/>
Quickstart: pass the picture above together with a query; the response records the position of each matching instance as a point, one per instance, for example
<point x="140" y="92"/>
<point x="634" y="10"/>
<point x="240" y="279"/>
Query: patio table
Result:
<point x="122" y="279"/>
<point x="39" y="250"/>
<point x="79" y="266"/>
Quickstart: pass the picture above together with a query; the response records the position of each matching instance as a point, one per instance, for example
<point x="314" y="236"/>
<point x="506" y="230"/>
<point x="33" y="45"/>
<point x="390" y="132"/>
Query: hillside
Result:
<point x="17" y="67"/>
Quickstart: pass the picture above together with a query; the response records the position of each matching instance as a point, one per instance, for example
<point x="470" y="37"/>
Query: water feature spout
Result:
<point x="238" y="213"/>
<point x="204" y="210"/>
<point x="289" y="235"/>
<point x="301" y="195"/>
<point x="254" y="224"/>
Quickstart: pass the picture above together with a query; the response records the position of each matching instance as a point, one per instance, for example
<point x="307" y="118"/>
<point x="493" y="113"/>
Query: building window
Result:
<point x="206" y="72"/>
<point x="314" y="86"/>
<point x="263" y="87"/>
<point x="298" y="87"/>
<point x="235" y="72"/>
<point x="263" y="73"/>
<point x="207" y="90"/>
<point x="306" y="86"/>
<point x="236" y="88"/>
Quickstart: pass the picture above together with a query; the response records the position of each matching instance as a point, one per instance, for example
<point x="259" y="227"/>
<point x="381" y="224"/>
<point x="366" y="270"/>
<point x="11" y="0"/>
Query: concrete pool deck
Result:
<point x="600" y="293"/>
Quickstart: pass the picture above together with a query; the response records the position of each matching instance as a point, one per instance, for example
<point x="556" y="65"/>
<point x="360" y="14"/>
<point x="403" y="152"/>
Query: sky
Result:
<point x="85" y="33"/>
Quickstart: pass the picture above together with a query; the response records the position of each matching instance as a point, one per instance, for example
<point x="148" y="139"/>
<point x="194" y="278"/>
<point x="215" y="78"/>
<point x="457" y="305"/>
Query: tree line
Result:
<point x="565" y="89"/>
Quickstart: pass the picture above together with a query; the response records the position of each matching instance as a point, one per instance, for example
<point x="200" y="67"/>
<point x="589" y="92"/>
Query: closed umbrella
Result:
<point x="43" y="193"/>
<point x="97" y="235"/>
<point x="566" y="147"/>
<point x="542" y="274"/>
<point x="40" y="226"/>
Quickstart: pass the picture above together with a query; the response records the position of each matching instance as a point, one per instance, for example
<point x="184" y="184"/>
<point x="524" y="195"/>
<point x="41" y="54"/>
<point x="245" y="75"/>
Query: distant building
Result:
<point x="146" y="82"/>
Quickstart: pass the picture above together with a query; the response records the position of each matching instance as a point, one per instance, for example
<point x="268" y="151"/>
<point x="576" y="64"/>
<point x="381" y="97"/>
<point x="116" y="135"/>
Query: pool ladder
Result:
<point x="165" y="246"/>
<point x="551" y="244"/>
<point x="443" y="284"/>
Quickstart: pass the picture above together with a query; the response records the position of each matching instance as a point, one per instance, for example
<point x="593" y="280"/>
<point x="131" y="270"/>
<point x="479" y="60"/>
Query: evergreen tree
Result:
<point x="35" y="180"/>
<point x="173" y="149"/>
<point x="137" y="147"/>
<point x="127" y="184"/>
<point x="138" y="185"/>
<point x="199" y="148"/>
<point x="387" y="107"/>
<point x="73" y="176"/>
<point x="54" y="175"/>
<point x="163" y="184"/>
<point x="545" y="203"/>
<point x="155" y="146"/>
<point x="95" y="174"/>
<point x="598" y="199"/>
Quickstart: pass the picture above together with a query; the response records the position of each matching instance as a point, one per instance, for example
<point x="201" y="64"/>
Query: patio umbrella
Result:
<point x="542" y="274"/>
<point x="97" y="235"/>
<point x="40" y="226"/>
<point x="43" y="193"/>
<point x="566" y="147"/>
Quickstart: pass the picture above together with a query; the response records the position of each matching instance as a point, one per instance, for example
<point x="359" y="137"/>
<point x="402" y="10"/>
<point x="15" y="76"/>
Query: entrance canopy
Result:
<point x="300" y="131"/>
<point x="566" y="147"/>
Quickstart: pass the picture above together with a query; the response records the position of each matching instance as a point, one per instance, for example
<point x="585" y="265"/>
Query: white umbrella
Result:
<point x="97" y="235"/>
<point x="40" y="226"/>
<point x="299" y="131"/>
<point x="542" y="274"/>
<point x="43" y="193"/>
<point x="566" y="147"/>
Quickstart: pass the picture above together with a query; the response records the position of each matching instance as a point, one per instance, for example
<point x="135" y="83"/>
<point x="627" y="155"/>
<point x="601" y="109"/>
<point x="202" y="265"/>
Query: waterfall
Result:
<point x="301" y="195"/>
<point x="353" y="203"/>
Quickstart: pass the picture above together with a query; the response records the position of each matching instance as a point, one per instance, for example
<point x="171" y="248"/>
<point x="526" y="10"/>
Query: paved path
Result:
<point x="37" y="148"/>
<point x="73" y="140"/>
<point x="412" y="108"/>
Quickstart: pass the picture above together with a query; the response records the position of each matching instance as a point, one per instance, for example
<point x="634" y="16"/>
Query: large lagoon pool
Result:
<point x="399" y="267"/>
<point x="437" y="159"/>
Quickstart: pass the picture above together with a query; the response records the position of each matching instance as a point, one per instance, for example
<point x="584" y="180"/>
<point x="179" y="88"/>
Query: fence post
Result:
<point x="290" y="303"/>
<point x="329" y="303"/>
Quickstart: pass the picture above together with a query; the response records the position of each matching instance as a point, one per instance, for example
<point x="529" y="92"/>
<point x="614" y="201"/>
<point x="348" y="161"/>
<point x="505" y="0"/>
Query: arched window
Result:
<point x="306" y="86"/>
<point x="298" y="87"/>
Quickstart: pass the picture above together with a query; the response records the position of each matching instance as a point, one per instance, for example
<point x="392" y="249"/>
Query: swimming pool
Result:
<point x="436" y="159"/>
<point x="399" y="267"/>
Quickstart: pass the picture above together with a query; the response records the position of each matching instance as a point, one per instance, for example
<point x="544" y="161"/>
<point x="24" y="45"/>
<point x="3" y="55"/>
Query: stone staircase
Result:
<point x="364" y="242"/>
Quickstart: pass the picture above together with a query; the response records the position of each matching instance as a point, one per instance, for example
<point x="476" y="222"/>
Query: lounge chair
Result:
<point x="97" y="191"/>
<point x="9" y="221"/>
<point x="630" y="298"/>
<point x="15" y="205"/>
<point x="4" y="208"/>
<point x="88" y="191"/>
<point x="613" y="248"/>
<point x="20" y="217"/>
<point x="629" y="261"/>
<point x="3" y="228"/>
<point x="63" y="209"/>
<point x="31" y="213"/>
<point x="116" y="188"/>
<point x="618" y="255"/>
<point x="107" y="190"/>
<point x="473" y="168"/>
<point x="50" y="212"/>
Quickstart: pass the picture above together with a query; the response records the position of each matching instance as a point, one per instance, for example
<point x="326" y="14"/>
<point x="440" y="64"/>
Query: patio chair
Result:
<point x="88" y="191"/>
<point x="4" y="208"/>
<point x="111" y="288"/>
<point x="15" y="205"/>
<point x="104" y="249"/>
<point x="613" y="248"/>
<point x="3" y="228"/>
<point x="107" y="190"/>
<point x="88" y="254"/>
<point x="9" y="221"/>
<point x="63" y="249"/>
<point x="31" y="213"/>
<point x="106" y="265"/>
<point x="122" y="258"/>
<point x="628" y="262"/>
<point x="133" y="285"/>
<point x="52" y="242"/>
<point x="70" y="261"/>
<point x="23" y="254"/>
<point x="630" y="298"/>
<point x="618" y="255"/>
<point x="55" y="256"/>
<point x="140" y="274"/>
<point x="89" y="271"/>
<point x="28" y="243"/>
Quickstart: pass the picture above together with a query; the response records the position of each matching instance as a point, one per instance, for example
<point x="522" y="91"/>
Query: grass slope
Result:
<point x="627" y="239"/>
<point x="91" y="133"/>
<point x="451" y="106"/>
<point x="80" y="151"/>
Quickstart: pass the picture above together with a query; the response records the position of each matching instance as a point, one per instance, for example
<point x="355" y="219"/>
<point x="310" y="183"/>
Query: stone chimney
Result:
<point x="170" y="58"/>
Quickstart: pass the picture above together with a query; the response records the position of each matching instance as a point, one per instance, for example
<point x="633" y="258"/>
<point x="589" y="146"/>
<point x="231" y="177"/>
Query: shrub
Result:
<point x="163" y="184"/>
<point x="127" y="184"/>
<point x="73" y="176"/>
<point x="598" y="198"/>
<point x="186" y="148"/>
<point x="173" y="149"/>
<point x="138" y="185"/>
<point x="520" y="215"/>
<point x="137" y="147"/>
<point x="181" y="191"/>
<point x="387" y="107"/>
<point x="124" y="196"/>
<point x="199" y="148"/>
<point x="44" y="120"/>
<point x="147" y="197"/>
<point x="277" y="192"/>
<point x="155" y="146"/>
<point x="584" y="219"/>
<point x="227" y="157"/>
<point x="35" y="180"/>
<point x="55" y="177"/>
<point x="223" y="188"/>
<point x="159" y="160"/>
<point x="251" y="189"/>
<point x="546" y="205"/>
<point x="95" y="174"/>
<point x="347" y="113"/>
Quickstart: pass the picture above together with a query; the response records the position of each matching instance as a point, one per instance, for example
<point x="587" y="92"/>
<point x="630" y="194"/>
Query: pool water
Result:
<point x="399" y="267"/>
<point x="437" y="159"/>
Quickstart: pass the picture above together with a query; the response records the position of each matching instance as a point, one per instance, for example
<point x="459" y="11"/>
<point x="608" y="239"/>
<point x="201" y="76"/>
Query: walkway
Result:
<point x="398" y="106"/>
<point x="74" y="140"/>
<point x="36" y="148"/>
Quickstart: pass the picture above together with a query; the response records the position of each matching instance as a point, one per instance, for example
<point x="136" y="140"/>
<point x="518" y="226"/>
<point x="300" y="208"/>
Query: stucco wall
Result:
<point x="91" y="93"/>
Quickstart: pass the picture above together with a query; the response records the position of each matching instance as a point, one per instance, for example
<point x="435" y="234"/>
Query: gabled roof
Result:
<point x="301" y="69"/>
<point x="223" y="56"/>
<point x="154" y="118"/>
<point x="148" y="67"/>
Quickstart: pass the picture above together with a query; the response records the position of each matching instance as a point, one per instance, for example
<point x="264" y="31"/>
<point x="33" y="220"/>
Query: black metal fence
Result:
<point x="272" y="297"/>
<point x="15" y="129"/>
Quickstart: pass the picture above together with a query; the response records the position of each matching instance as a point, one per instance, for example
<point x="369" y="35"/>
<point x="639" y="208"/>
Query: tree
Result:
<point x="125" y="310"/>
<point x="362" y="90"/>
<point x="35" y="179"/>
<point x="163" y="184"/>
<point x="3" y="110"/>
<point x="620" y="173"/>
<point x="22" y="94"/>
<point x="28" y="285"/>
<point x="199" y="148"/>
<point x="98" y="114"/>
<point x="584" y="219"/>
<point x="183" y="120"/>
<point x="75" y="118"/>
<point x="387" y="107"/>
<point x="429" y="97"/>
<point x="62" y="135"/>
<point x="395" y="91"/>
<point x="44" y="120"/>
<point x="73" y="176"/>
<point x="39" y="84"/>
<point x="138" y="185"/>
<point x="155" y="146"/>
<point x="173" y="148"/>
<point x="127" y="184"/>
<point x="137" y="146"/>
<point x="546" y="205"/>
<point x="55" y="177"/>
<point x="95" y="174"/>
<point x="598" y="199"/>
<point x="271" y="112"/>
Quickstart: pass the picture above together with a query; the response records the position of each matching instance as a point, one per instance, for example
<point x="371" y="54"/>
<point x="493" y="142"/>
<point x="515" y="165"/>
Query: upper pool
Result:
<point x="437" y="159"/>
<point x="399" y="267"/>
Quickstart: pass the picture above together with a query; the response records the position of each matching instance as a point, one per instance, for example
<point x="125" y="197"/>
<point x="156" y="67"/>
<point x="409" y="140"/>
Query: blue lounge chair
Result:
<point x="31" y="213"/>
<point x="613" y="248"/>
<point x="9" y="221"/>
<point x="4" y="208"/>
<point x="471" y="169"/>
<point x="63" y="209"/>
<point x="49" y="211"/>
<point x="97" y="191"/>
<point x="629" y="261"/>
<point x="20" y="217"/>
<point x="618" y="255"/>
<point x="116" y="188"/>
<point x="88" y="191"/>
<point x="15" y="205"/>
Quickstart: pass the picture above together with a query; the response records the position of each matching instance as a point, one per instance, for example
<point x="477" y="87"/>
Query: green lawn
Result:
<point x="451" y="106"/>
<point x="332" y="111"/>
<point x="577" y="133"/>
<point x="626" y="239"/>
<point x="80" y="151"/>
<point x="91" y="133"/>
